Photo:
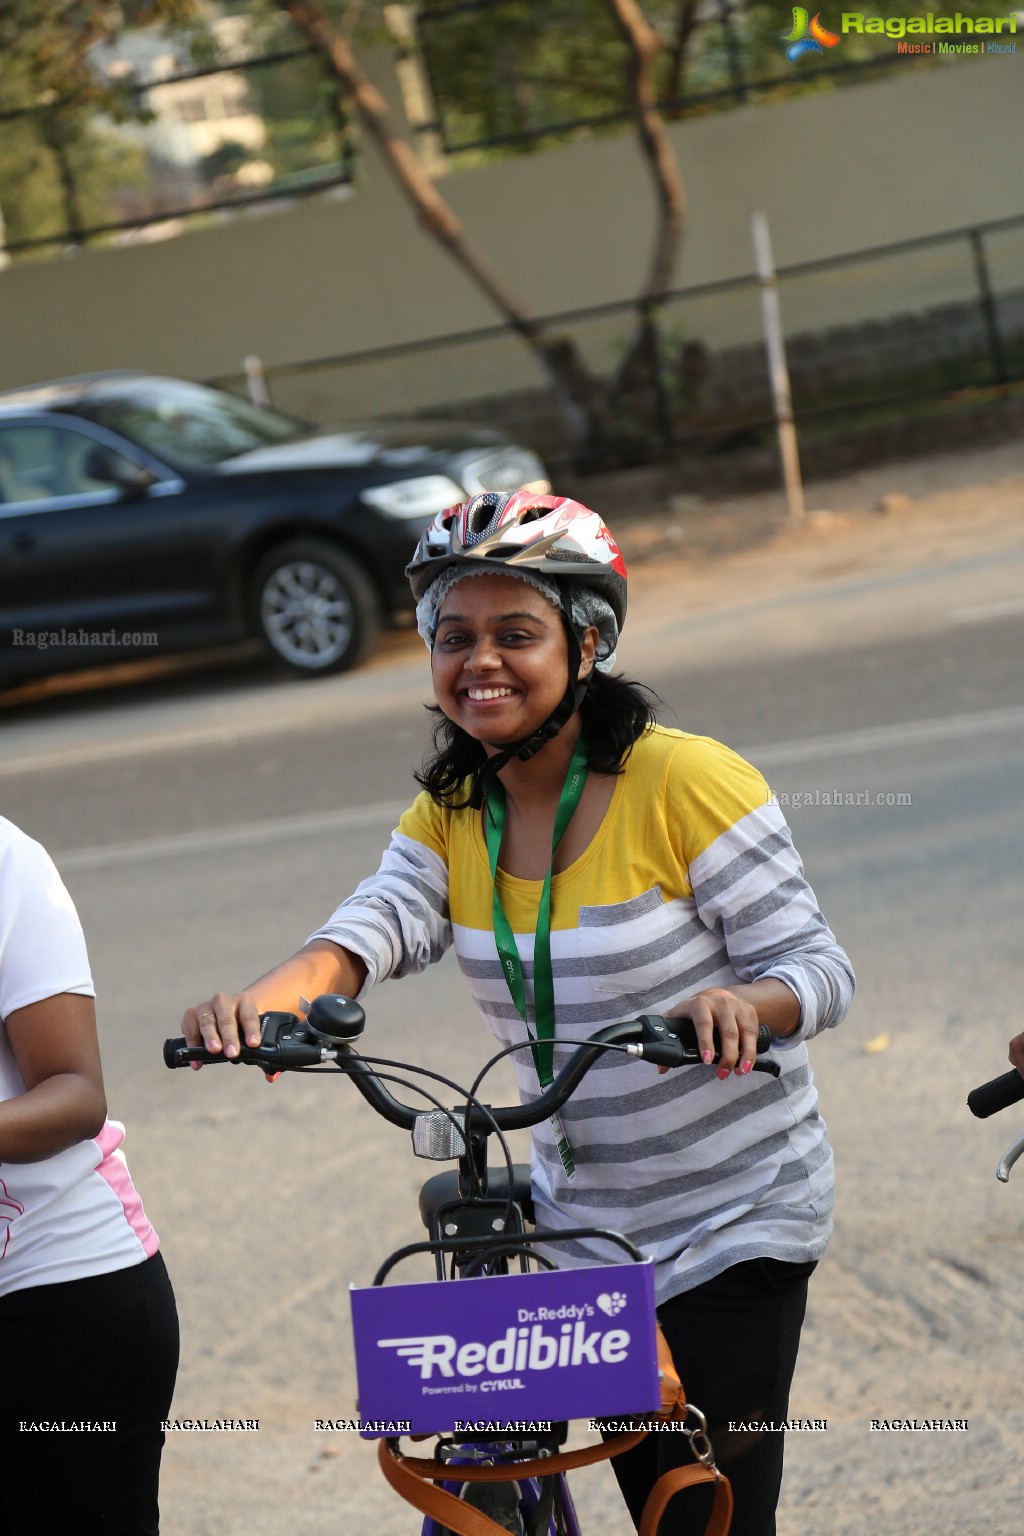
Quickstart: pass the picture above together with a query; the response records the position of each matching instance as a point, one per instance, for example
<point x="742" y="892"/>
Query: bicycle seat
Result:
<point x="443" y="1189"/>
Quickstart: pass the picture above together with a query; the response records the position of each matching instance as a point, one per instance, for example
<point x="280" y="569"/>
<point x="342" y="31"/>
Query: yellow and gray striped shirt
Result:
<point x="691" y="881"/>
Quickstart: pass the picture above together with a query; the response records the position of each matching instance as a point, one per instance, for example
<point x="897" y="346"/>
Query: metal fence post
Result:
<point x="776" y="350"/>
<point x="256" y="381"/>
<point x="988" y="308"/>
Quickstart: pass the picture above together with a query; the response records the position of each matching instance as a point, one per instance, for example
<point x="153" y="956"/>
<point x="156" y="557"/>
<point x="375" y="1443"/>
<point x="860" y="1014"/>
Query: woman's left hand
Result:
<point x="735" y="1012"/>
<point x="735" y="1020"/>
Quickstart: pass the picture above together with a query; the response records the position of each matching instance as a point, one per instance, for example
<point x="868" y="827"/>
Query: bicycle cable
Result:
<point x="524" y="1045"/>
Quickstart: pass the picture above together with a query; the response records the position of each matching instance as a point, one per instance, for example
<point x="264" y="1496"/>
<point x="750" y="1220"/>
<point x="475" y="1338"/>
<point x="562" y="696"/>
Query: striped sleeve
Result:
<point x="749" y="886"/>
<point x="397" y="921"/>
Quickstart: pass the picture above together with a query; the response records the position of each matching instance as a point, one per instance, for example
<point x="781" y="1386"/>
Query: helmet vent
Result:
<point x="481" y="517"/>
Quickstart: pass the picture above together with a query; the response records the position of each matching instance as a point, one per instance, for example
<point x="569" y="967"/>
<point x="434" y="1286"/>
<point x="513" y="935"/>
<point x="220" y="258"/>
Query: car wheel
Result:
<point x="314" y="607"/>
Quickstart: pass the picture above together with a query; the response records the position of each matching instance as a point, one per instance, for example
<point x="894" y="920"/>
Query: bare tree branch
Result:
<point x="687" y="22"/>
<point x="583" y="399"/>
<point x="434" y="213"/>
<point x="589" y="404"/>
<point x="645" y="45"/>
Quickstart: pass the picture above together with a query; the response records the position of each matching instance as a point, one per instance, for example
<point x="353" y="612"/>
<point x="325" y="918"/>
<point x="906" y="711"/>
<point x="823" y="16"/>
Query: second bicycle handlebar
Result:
<point x="1000" y="1093"/>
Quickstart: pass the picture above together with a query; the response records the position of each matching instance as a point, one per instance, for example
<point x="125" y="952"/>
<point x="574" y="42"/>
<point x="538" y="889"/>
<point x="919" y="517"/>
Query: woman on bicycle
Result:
<point x="588" y="865"/>
<point x="88" y="1325"/>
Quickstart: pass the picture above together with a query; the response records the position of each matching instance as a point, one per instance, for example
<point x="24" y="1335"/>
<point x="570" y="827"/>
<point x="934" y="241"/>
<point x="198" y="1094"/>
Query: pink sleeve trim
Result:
<point x="114" y="1169"/>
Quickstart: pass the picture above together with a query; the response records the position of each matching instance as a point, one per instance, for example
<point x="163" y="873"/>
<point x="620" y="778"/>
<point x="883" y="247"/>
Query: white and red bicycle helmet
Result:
<point x="518" y="530"/>
<point x="518" y="533"/>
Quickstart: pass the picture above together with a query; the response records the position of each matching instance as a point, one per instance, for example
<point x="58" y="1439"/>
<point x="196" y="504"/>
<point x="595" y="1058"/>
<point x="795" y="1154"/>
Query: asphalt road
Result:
<point x="205" y="825"/>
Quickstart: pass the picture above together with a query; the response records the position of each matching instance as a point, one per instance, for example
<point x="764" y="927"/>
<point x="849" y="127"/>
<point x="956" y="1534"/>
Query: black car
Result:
<point x="143" y="516"/>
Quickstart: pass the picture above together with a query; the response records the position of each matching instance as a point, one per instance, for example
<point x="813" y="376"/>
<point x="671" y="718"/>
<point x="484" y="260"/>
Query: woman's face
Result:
<point x="500" y="659"/>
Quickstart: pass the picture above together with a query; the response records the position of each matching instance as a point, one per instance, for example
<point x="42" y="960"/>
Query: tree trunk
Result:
<point x="686" y="25"/>
<point x="639" y="381"/>
<point x="580" y="396"/>
<point x="645" y="45"/>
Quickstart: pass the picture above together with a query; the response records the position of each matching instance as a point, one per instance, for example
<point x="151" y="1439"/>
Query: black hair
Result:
<point x="615" y="714"/>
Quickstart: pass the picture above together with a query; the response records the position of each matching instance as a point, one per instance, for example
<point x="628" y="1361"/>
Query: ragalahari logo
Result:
<point x="808" y="36"/>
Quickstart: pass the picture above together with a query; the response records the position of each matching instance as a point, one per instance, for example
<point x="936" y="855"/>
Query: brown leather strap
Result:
<point x="547" y="1466"/>
<point x="671" y="1483"/>
<point x="438" y="1503"/>
<point x="673" y="1397"/>
<point x="413" y="1477"/>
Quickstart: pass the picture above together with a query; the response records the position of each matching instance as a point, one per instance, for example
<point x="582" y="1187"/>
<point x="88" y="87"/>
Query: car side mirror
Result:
<point x="103" y="463"/>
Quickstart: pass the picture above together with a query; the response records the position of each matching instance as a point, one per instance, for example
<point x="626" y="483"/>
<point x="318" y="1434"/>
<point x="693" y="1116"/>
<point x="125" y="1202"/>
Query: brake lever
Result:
<point x="665" y="1047"/>
<point x="1011" y="1156"/>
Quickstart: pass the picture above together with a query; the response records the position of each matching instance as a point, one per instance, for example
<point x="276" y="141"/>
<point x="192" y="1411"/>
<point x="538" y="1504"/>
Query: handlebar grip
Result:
<point x="178" y="1053"/>
<point x="1000" y="1093"/>
<point x="284" y="1049"/>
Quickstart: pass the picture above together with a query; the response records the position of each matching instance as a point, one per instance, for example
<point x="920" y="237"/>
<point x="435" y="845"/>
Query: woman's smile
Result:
<point x="486" y="695"/>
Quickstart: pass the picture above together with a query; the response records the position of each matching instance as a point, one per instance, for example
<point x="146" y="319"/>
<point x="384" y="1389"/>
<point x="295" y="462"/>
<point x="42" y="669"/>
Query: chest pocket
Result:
<point x="638" y="950"/>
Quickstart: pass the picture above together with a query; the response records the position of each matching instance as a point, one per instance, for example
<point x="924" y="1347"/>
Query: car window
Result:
<point x="39" y="462"/>
<point x="187" y="426"/>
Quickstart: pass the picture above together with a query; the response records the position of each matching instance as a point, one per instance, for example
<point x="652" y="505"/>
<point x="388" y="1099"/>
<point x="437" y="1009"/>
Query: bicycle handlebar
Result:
<point x="291" y="1044"/>
<point x="989" y="1098"/>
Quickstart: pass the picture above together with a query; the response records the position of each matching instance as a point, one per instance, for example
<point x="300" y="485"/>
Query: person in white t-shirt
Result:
<point x="88" y="1324"/>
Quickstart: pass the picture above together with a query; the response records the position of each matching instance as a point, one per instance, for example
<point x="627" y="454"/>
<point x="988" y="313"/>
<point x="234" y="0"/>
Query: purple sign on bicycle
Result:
<point x="507" y="1349"/>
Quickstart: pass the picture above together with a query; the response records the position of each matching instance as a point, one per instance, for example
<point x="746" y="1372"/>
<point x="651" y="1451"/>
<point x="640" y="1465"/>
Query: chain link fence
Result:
<point x="876" y="336"/>
<point x="195" y="143"/>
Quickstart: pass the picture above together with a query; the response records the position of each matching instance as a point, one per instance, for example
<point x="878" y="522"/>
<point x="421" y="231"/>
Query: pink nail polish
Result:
<point x="746" y="1066"/>
<point x="707" y="1058"/>
<point x="723" y="1073"/>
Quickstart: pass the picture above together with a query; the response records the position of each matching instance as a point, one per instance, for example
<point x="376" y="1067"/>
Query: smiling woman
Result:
<point x="588" y="865"/>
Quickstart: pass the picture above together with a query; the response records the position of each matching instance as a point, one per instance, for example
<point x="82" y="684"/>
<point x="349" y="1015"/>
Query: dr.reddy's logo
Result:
<point x="931" y="33"/>
<point x="808" y="38"/>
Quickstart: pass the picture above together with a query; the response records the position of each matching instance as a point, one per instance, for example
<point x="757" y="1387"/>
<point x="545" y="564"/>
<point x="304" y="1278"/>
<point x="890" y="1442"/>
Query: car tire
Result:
<point x="314" y="608"/>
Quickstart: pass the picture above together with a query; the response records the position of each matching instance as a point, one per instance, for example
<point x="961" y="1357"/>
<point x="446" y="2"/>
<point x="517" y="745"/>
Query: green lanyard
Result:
<point x="543" y="1034"/>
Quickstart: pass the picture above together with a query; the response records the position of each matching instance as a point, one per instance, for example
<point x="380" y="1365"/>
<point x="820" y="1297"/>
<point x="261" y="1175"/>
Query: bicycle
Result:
<point x="498" y="1474"/>
<point x="991" y="1097"/>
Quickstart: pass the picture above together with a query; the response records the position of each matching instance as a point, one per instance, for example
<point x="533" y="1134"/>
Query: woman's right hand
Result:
<point x="221" y="1023"/>
<point x="227" y="1019"/>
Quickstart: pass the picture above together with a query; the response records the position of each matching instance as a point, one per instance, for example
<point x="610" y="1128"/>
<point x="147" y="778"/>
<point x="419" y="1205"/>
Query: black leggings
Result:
<point x="734" y="1341"/>
<point x="99" y="1350"/>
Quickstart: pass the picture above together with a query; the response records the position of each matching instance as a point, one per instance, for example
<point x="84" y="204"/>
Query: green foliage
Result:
<point x="306" y="124"/>
<point x="60" y="163"/>
<point x="509" y="74"/>
<point x="64" y="167"/>
<point x="506" y="69"/>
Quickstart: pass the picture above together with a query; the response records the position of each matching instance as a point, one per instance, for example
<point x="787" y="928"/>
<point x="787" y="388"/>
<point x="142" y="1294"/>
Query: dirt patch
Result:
<point x="882" y="518"/>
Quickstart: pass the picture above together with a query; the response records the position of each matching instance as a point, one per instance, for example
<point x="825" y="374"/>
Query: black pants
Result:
<point x="734" y="1341"/>
<point x="103" y="1350"/>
